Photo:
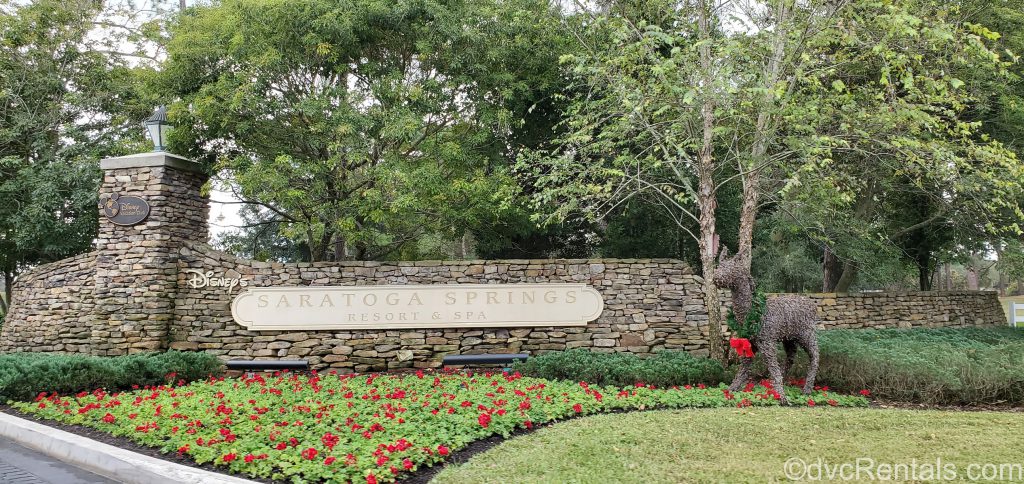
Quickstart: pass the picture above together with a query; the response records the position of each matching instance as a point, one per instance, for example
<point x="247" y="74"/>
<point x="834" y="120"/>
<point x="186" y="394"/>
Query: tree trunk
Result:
<point x="848" y="277"/>
<point x="924" y="278"/>
<point x="339" y="249"/>
<point x="949" y="276"/>
<point x="1004" y="279"/>
<point x="751" y="173"/>
<point x="748" y="214"/>
<point x="716" y="343"/>
<point x="463" y="246"/>
<point x="317" y="247"/>
<point x="832" y="270"/>
<point x="923" y="260"/>
<point x="1020" y="287"/>
<point x="5" y="301"/>
<point x="972" y="276"/>
<point x="707" y="198"/>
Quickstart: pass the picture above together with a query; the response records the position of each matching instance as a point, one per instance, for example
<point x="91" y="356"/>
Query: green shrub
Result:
<point x="25" y="375"/>
<point x="664" y="369"/>
<point x="947" y="366"/>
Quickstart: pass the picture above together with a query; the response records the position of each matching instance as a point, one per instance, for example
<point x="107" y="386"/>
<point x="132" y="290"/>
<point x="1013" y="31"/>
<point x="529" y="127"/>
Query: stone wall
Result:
<point x="650" y="305"/>
<point x="52" y="308"/>
<point x="912" y="309"/>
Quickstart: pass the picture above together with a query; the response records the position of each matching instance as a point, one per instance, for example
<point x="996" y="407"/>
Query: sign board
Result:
<point x="1017" y="315"/>
<point x="124" y="210"/>
<point x="416" y="306"/>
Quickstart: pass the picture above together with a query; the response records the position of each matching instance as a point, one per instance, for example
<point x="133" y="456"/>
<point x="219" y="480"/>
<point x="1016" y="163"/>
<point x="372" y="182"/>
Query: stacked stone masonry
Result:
<point x="136" y="265"/>
<point x="650" y="305"/>
<point x="53" y="306"/>
<point x="917" y="309"/>
<point x="132" y="295"/>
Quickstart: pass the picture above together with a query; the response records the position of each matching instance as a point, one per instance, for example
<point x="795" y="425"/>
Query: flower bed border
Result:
<point x="424" y="474"/>
<point x="420" y="477"/>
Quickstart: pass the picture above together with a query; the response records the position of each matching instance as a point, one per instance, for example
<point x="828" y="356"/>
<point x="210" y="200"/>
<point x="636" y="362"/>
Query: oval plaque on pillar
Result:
<point x="124" y="210"/>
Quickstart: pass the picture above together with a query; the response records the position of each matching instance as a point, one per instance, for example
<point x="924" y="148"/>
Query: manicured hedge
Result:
<point x="25" y="375"/>
<point x="664" y="369"/>
<point x="947" y="366"/>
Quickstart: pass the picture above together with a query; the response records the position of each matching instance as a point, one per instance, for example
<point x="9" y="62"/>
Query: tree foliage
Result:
<point x="896" y="158"/>
<point x="364" y="126"/>
<point x="853" y="122"/>
<point x="63" y="105"/>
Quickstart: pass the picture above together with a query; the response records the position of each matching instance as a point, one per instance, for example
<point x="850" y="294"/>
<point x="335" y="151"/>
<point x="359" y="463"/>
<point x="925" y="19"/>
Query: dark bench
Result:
<point x="492" y="359"/>
<point x="252" y="366"/>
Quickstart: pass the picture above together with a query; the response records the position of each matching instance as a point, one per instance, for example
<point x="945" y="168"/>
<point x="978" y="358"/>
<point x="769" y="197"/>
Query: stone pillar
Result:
<point x="136" y="265"/>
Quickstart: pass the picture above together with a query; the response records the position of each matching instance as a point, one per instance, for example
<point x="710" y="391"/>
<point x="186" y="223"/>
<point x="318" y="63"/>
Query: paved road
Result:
<point x="20" y="465"/>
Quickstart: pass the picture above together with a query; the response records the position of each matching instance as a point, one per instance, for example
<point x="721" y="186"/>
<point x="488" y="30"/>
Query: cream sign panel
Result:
<point x="411" y="306"/>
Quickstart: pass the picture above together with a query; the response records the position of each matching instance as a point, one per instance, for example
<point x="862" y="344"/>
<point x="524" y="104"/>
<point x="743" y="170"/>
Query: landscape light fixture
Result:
<point x="158" y="128"/>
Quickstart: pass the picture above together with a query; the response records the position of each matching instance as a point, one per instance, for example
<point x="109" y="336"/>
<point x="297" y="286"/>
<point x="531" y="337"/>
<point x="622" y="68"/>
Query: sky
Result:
<point x="223" y="216"/>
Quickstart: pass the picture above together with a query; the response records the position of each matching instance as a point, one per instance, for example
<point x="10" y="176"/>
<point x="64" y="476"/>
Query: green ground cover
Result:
<point x="945" y="366"/>
<point x="364" y="428"/>
<point x="748" y="445"/>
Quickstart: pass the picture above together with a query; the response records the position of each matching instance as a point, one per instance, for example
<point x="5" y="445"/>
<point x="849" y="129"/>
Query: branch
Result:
<point x="918" y="225"/>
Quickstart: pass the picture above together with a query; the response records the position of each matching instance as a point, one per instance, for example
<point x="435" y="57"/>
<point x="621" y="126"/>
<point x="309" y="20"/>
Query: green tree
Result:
<point x="1011" y="266"/>
<point x="1001" y="110"/>
<point x="1000" y="99"/>
<point x="807" y="103"/>
<point x="896" y="158"/>
<point x="260" y="238"/>
<point x="63" y="105"/>
<point x="676" y="105"/>
<point x="363" y="126"/>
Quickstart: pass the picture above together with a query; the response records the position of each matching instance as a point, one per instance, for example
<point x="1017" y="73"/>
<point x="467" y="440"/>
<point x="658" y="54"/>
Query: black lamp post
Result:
<point x="158" y="128"/>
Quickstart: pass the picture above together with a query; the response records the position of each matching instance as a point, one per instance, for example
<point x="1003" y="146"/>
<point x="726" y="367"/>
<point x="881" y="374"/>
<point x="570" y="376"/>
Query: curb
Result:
<point x="103" y="459"/>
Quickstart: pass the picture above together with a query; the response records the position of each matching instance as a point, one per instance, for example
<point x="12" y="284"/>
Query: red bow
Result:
<point x="742" y="347"/>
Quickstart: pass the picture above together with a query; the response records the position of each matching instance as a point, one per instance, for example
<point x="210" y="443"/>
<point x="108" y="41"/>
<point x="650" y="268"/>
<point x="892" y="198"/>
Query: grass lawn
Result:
<point x="742" y="445"/>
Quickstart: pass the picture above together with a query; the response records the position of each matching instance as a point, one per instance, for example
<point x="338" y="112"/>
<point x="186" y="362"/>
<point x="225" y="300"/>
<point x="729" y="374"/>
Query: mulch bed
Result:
<point x="1000" y="407"/>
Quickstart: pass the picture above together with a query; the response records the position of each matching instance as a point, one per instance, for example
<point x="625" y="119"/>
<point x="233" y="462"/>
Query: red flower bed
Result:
<point x="366" y="428"/>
